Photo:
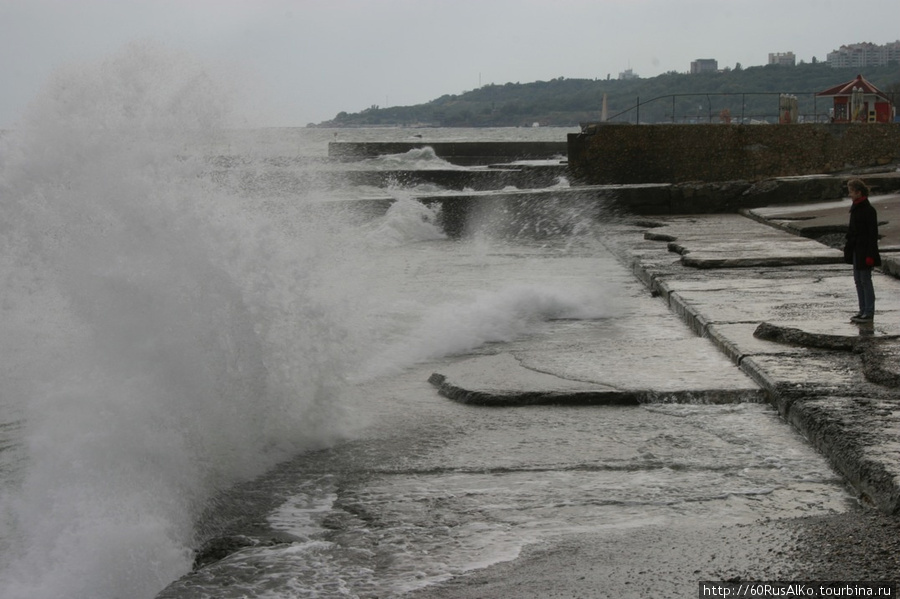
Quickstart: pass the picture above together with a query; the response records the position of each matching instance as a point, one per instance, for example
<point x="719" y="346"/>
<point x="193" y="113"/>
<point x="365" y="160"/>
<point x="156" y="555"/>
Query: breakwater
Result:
<point x="643" y="189"/>
<point x="460" y="153"/>
<point x="551" y="210"/>
<point x="621" y="153"/>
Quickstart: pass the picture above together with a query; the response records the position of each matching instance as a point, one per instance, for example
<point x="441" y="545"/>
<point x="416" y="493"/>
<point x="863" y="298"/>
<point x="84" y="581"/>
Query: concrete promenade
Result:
<point x="779" y="306"/>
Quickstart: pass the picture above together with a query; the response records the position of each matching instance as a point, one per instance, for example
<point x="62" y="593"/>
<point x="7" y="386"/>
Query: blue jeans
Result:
<point x="865" y="290"/>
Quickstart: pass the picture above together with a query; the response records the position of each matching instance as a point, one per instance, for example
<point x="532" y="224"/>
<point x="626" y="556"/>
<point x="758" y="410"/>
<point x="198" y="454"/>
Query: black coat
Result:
<point x="862" y="235"/>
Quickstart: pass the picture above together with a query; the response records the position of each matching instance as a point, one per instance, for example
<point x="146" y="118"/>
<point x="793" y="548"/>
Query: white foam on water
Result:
<point x="165" y="337"/>
<point x="495" y="316"/>
<point x="406" y="221"/>
<point x="480" y="498"/>
<point x="160" y="338"/>
<point x="467" y="319"/>
<point x="301" y="514"/>
<point x="423" y="158"/>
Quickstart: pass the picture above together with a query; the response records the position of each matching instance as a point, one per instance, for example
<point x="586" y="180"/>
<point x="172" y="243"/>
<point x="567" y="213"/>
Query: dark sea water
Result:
<point x="195" y="345"/>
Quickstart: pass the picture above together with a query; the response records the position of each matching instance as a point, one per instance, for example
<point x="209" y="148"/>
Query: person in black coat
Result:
<point x="861" y="249"/>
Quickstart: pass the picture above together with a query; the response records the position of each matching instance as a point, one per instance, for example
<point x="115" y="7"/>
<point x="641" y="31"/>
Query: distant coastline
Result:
<point x="565" y="102"/>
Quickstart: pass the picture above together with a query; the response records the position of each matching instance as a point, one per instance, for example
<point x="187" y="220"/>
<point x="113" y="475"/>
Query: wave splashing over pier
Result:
<point x="160" y="340"/>
<point x="212" y="349"/>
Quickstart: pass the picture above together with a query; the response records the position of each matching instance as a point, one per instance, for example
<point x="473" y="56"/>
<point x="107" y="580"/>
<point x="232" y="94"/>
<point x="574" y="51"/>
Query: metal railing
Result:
<point x="729" y="108"/>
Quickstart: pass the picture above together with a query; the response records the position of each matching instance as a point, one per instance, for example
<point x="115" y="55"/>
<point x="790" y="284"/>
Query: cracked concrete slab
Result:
<point x="502" y="380"/>
<point x="737" y="340"/>
<point x="703" y="243"/>
<point x="684" y="370"/>
<point x="640" y="354"/>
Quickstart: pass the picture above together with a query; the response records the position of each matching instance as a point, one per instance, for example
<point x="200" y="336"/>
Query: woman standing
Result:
<point x="861" y="249"/>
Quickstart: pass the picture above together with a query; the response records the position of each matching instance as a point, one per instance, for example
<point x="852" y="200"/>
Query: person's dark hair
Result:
<point x="859" y="186"/>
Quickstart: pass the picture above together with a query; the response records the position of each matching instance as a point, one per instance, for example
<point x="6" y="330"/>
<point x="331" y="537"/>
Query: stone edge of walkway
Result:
<point x="604" y="397"/>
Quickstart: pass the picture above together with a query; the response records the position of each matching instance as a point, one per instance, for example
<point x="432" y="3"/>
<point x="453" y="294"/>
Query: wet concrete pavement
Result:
<point x="778" y="306"/>
<point x="812" y="220"/>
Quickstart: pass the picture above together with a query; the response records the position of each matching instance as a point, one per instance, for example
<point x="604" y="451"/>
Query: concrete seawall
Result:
<point x="461" y="153"/>
<point x="523" y="177"/>
<point x="521" y="209"/>
<point x="643" y="189"/>
<point x="678" y="153"/>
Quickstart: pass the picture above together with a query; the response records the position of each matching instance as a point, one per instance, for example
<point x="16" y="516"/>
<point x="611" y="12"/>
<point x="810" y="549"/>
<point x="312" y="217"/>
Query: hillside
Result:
<point x="671" y="97"/>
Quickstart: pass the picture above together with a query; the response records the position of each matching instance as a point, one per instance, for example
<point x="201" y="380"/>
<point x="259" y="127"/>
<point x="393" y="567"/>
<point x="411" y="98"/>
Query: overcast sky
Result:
<point x="310" y="59"/>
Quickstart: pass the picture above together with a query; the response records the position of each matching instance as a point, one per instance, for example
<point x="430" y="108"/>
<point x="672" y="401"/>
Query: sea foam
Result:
<point x="161" y="340"/>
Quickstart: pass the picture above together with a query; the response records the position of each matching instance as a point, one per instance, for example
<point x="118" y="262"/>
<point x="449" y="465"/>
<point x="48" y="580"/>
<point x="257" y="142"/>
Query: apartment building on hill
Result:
<point x="865" y="54"/>
<point x="704" y="65"/>
<point x="785" y="59"/>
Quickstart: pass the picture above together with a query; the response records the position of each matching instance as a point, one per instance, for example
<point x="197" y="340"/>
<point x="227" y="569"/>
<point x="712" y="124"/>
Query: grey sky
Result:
<point x="310" y="59"/>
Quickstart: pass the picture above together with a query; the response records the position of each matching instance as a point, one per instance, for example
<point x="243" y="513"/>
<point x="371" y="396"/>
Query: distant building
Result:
<point x="628" y="74"/>
<point x="785" y="59"/>
<point x="704" y="65"/>
<point x="864" y="54"/>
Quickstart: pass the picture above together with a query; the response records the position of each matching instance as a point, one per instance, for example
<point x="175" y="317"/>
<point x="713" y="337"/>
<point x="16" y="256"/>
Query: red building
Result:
<point x="859" y="101"/>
